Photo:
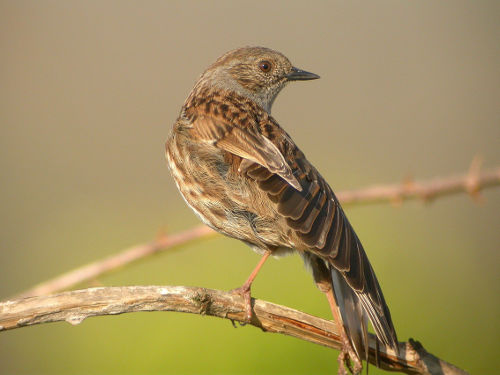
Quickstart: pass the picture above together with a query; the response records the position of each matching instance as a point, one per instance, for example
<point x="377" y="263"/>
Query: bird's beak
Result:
<point x="300" y="75"/>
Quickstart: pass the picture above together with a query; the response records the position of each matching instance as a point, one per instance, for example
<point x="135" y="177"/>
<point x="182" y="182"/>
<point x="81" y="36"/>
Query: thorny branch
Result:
<point x="472" y="183"/>
<point x="75" y="306"/>
<point x="93" y="270"/>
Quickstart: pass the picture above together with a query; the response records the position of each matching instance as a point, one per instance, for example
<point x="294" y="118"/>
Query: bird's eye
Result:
<point x="265" y="66"/>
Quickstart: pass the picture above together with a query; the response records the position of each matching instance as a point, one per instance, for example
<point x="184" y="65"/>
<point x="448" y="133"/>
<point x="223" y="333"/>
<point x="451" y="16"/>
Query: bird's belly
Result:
<point x="225" y="200"/>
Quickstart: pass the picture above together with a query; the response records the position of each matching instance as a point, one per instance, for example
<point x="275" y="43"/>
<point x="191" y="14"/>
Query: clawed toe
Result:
<point x="348" y="360"/>
<point x="341" y="360"/>
<point x="244" y="291"/>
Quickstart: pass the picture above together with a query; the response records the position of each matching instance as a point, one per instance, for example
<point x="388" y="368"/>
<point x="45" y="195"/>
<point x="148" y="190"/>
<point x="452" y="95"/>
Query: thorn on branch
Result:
<point x="472" y="181"/>
<point x="162" y="234"/>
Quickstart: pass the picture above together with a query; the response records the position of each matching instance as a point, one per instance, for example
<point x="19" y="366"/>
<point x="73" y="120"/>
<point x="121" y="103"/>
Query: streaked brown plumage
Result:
<point x="244" y="176"/>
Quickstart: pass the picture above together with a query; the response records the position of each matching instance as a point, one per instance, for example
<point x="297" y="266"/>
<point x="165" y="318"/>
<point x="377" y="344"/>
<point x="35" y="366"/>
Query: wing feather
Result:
<point x="244" y="143"/>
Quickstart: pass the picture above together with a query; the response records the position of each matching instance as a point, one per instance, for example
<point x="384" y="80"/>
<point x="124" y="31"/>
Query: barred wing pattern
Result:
<point x="317" y="217"/>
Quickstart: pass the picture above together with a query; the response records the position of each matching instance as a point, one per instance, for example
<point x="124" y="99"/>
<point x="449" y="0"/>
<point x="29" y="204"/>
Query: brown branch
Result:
<point x="472" y="182"/>
<point x="111" y="263"/>
<point x="75" y="306"/>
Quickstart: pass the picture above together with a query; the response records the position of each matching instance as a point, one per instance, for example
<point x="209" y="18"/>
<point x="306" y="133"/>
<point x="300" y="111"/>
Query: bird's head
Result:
<point x="257" y="73"/>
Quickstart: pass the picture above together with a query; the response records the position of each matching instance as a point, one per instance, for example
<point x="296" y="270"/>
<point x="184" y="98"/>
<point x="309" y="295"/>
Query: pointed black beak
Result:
<point x="301" y="75"/>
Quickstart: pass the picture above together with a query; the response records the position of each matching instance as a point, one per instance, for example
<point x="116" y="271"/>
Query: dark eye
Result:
<point x="265" y="66"/>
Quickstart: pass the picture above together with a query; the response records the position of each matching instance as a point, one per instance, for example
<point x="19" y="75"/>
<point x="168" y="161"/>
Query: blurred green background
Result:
<point x="88" y="93"/>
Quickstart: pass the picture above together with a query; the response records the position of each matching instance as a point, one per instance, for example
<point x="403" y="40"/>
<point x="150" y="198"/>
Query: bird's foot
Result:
<point x="244" y="291"/>
<point x="346" y="356"/>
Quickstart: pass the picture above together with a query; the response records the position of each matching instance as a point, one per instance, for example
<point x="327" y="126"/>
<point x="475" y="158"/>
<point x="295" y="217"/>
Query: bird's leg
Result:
<point x="244" y="290"/>
<point x="347" y="353"/>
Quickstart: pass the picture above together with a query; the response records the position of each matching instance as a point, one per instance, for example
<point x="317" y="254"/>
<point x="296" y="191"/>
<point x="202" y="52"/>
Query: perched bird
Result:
<point x="243" y="175"/>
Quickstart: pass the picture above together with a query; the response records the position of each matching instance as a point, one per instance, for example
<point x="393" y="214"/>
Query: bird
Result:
<point x="244" y="176"/>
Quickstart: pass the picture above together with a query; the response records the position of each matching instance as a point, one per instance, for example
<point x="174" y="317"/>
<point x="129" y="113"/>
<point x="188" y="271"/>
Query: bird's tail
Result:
<point x="354" y="318"/>
<point x="355" y="307"/>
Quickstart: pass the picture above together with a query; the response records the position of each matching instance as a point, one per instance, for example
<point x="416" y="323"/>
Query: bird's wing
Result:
<point x="316" y="216"/>
<point x="245" y="143"/>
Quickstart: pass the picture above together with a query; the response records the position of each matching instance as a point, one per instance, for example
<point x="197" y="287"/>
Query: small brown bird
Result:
<point x="242" y="174"/>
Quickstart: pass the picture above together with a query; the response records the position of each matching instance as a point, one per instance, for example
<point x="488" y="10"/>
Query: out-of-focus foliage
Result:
<point x="88" y="93"/>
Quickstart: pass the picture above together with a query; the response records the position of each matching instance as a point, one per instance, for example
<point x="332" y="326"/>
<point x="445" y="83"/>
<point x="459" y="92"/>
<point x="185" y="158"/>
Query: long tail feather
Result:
<point x="354" y="318"/>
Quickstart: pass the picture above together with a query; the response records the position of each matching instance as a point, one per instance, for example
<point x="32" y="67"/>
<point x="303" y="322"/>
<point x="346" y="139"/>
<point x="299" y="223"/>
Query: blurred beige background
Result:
<point x="88" y="93"/>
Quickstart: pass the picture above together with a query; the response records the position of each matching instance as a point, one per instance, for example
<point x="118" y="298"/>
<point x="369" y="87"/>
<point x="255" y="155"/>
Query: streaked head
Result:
<point x="255" y="72"/>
